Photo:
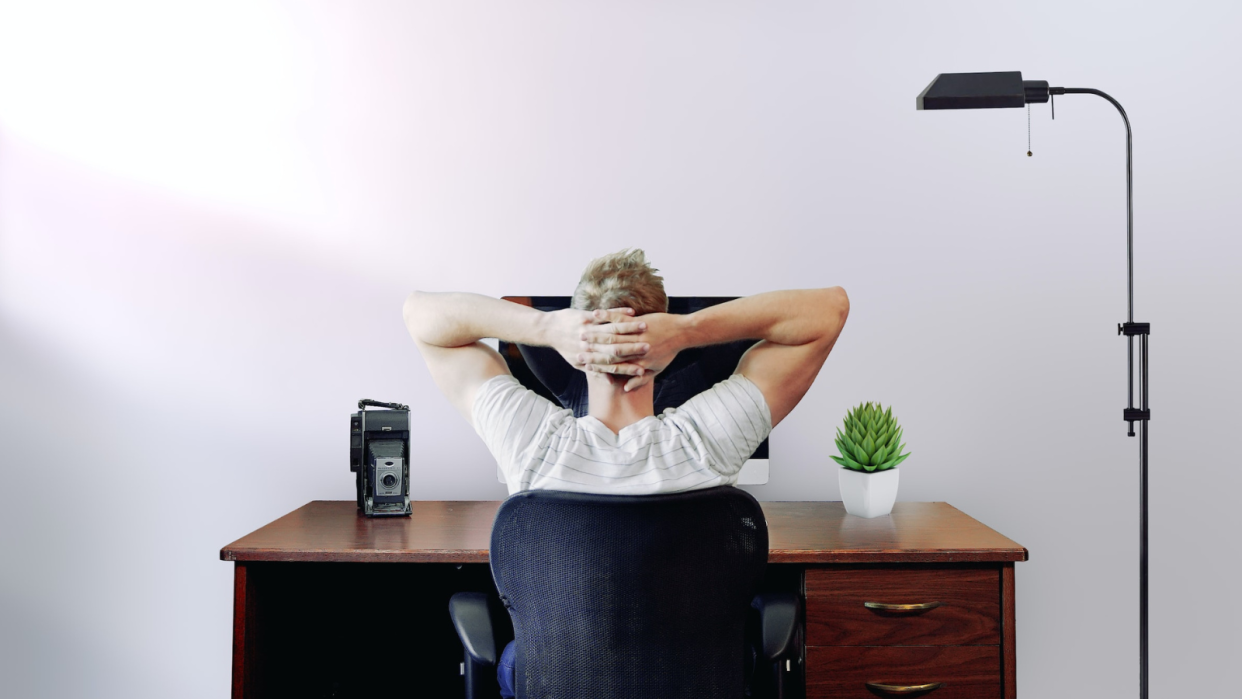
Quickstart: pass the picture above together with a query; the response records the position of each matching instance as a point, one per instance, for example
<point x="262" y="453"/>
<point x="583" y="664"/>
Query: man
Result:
<point x="619" y="333"/>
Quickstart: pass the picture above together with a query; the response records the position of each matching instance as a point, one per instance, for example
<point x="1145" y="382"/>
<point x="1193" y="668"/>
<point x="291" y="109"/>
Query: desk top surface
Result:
<point x="460" y="532"/>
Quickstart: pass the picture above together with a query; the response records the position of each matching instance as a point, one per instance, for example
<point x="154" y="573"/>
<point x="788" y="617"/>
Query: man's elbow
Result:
<point x="843" y="303"/>
<point x="835" y="311"/>
<point x="412" y="312"/>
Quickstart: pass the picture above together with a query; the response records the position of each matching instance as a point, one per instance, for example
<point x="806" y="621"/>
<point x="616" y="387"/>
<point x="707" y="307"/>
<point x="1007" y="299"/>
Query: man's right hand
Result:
<point x="606" y="345"/>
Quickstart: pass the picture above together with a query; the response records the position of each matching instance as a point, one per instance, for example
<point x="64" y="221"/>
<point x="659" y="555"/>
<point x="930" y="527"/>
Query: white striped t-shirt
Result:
<point x="539" y="445"/>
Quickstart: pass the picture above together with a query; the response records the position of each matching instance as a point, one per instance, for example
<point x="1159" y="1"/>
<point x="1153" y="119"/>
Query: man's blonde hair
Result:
<point x="622" y="279"/>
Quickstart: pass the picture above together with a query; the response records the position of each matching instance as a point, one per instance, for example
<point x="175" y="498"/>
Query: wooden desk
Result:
<point x="325" y="603"/>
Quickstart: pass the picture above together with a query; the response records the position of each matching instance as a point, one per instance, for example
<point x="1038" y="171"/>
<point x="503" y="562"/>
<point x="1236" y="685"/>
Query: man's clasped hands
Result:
<point x="615" y="341"/>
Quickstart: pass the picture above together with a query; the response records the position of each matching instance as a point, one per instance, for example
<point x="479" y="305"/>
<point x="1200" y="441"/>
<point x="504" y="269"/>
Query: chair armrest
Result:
<point x="778" y="624"/>
<point x="473" y="622"/>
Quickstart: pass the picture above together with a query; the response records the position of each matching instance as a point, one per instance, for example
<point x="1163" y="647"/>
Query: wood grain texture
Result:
<point x="916" y="532"/>
<point x="460" y="532"/>
<point x="841" y="672"/>
<point x="244" y="628"/>
<point x="1009" y="604"/>
<point x="333" y="531"/>
<point x="970" y="611"/>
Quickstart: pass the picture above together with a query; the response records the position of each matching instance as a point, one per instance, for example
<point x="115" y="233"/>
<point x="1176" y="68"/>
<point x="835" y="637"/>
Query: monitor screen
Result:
<point x="542" y="370"/>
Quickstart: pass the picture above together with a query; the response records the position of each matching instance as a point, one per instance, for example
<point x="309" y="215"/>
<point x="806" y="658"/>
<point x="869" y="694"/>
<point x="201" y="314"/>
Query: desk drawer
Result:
<point x="969" y="612"/>
<point x="842" y="672"/>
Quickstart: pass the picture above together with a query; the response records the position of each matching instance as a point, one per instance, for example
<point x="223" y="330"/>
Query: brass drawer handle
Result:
<point x="904" y="688"/>
<point x="901" y="607"/>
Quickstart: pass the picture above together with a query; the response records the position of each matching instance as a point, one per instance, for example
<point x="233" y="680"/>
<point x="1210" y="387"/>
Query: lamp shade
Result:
<point x="982" y="91"/>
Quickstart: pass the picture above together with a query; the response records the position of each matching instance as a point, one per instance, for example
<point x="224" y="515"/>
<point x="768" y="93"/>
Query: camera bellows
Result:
<point x="385" y="449"/>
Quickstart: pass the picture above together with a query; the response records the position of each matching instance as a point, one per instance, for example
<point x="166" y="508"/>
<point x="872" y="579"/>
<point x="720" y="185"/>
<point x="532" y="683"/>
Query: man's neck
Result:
<point x="611" y="405"/>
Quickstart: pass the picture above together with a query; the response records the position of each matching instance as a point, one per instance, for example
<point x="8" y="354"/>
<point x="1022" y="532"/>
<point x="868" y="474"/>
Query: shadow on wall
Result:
<point x="62" y="634"/>
<point x="42" y="657"/>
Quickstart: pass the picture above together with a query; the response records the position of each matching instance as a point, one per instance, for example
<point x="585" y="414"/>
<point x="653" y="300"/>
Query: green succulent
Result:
<point x="871" y="441"/>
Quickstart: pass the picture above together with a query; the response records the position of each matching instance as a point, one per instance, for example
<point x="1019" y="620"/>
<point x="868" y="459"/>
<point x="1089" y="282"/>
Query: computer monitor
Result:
<point x="691" y="372"/>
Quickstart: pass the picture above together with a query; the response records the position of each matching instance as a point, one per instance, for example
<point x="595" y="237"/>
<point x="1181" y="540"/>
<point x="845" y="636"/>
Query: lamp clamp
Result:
<point x="1135" y="414"/>
<point x="1131" y="329"/>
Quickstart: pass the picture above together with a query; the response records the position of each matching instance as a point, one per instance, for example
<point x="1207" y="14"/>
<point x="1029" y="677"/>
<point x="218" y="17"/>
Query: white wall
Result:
<point x="210" y="215"/>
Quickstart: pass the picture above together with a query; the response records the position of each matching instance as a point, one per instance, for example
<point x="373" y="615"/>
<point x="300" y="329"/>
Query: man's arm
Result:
<point x="448" y="327"/>
<point x="797" y="328"/>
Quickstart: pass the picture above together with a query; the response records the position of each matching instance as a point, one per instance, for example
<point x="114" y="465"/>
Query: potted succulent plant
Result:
<point x="870" y="451"/>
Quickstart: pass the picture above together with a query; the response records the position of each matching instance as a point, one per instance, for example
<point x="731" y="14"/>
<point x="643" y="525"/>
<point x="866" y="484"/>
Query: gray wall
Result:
<point x="210" y="215"/>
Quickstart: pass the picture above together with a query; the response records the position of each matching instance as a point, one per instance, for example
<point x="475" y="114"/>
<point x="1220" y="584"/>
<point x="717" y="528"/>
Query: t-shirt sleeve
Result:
<point x="512" y="420"/>
<point x="732" y="419"/>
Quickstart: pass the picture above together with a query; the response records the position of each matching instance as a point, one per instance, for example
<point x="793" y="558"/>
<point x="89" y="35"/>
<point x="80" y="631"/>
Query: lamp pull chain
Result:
<point x="1052" y="99"/>
<point x="1028" y="129"/>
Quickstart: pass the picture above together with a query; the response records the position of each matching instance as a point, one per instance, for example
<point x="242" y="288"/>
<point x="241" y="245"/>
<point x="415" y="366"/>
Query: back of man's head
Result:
<point x="621" y="280"/>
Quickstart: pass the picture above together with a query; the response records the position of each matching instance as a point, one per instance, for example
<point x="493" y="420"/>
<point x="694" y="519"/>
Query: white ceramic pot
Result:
<point x="868" y="494"/>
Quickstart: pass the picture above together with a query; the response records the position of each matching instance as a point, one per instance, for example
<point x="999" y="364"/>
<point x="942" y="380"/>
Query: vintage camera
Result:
<point x="379" y="456"/>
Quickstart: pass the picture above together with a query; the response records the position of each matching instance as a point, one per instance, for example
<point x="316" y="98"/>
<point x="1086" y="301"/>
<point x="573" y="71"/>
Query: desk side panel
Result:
<point x="1010" y="633"/>
<point x="245" y="631"/>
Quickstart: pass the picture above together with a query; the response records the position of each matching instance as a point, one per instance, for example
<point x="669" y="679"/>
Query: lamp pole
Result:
<point x="998" y="90"/>
<point x="1131" y="415"/>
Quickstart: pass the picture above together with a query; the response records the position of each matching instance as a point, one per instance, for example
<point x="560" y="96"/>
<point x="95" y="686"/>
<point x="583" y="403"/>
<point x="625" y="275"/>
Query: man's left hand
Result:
<point x="569" y="329"/>
<point x="659" y="335"/>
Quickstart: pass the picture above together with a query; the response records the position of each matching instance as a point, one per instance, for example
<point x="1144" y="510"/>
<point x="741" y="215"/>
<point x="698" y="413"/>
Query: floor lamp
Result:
<point x="999" y="90"/>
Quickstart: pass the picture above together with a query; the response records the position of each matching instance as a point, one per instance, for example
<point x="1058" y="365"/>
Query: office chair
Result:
<point x="627" y="597"/>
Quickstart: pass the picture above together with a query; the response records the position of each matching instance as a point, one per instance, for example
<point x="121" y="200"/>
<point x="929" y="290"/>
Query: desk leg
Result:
<point x="1010" y="635"/>
<point x="244" y="630"/>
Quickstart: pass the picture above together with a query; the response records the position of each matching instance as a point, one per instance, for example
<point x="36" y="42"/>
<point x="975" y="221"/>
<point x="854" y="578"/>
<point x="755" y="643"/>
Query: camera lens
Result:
<point x="389" y="481"/>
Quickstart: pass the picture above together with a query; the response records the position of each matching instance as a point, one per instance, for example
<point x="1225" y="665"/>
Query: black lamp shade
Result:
<point x="982" y="91"/>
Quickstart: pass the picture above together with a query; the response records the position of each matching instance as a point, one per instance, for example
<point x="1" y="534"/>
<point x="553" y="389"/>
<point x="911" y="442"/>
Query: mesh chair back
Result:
<point x="629" y="597"/>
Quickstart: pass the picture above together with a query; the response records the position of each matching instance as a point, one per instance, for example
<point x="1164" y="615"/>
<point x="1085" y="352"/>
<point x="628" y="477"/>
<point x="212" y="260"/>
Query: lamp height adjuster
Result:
<point x="1135" y="414"/>
<point x="1134" y="328"/>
